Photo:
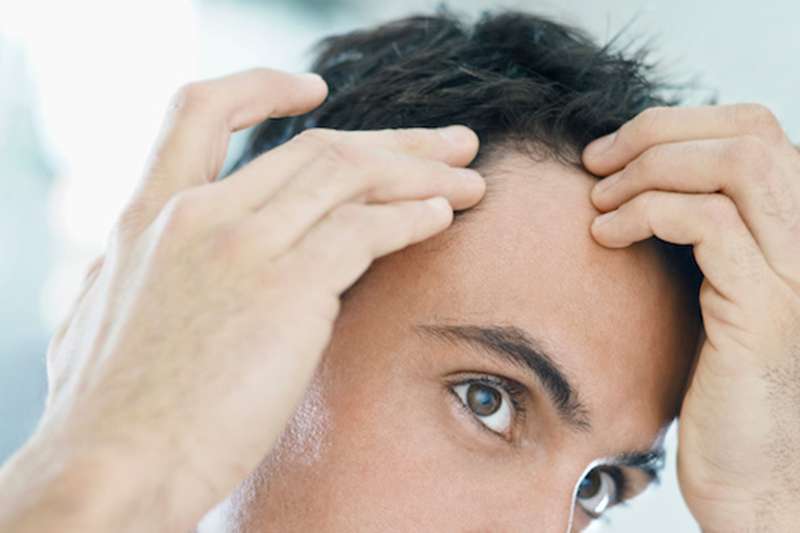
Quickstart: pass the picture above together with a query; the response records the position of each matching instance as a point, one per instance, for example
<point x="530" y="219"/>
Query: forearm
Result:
<point x="764" y="514"/>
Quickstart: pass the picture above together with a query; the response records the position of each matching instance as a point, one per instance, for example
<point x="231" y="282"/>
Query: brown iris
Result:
<point x="483" y="400"/>
<point x="590" y="484"/>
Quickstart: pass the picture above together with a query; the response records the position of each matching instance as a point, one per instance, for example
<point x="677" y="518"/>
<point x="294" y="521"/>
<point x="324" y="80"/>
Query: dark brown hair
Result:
<point x="514" y="78"/>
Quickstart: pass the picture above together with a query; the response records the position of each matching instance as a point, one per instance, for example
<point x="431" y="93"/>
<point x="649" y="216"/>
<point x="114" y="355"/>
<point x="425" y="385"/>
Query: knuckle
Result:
<point x="653" y="114"/>
<point x="708" y="298"/>
<point x="647" y="120"/>
<point x="414" y="140"/>
<point x="752" y="160"/>
<point x="346" y="216"/>
<point x="192" y="96"/>
<point x="315" y="138"/>
<point x="342" y="153"/>
<point x="644" y="204"/>
<point x="749" y="157"/>
<point x="648" y="162"/>
<point x="758" y="119"/>
<point x="232" y="241"/>
<point x="183" y="210"/>
<point x="307" y="196"/>
<point x="132" y="217"/>
<point x="720" y="209"/>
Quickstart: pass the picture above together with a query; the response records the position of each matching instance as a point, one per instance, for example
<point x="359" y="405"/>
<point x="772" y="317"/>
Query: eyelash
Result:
<point x="516" y="393"/>
<point x="620" y="480"/>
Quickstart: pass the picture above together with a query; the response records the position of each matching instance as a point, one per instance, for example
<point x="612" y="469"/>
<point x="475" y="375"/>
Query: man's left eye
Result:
<point x="489" y="404"/>
<point x="598" y="491"/>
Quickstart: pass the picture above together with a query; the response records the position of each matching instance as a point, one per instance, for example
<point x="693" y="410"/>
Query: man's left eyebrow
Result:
<point x="514" y="345"/>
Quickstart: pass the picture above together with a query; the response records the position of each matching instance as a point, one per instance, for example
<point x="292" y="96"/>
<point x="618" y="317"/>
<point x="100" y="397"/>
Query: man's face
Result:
<point x="471" y="379"/>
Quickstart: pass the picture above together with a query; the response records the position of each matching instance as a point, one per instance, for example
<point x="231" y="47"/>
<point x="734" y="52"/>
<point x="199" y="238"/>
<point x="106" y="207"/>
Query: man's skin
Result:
<point x="198" y="333"/>
<point x="393" y="448"/>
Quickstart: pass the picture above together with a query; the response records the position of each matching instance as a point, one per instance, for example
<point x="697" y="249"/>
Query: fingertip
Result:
<point x="597" y="153"/>
<point x="599" y="237"/>
<point x="316" y="86"/>
<point x="606" y="233"/>
<point x="439" y="203"/>
<point x="469" y="189"/>
<point x="599" y="199"/>
<point x="603" y="218"/>
<point x="600" y="146"/>
<point x="314" y="79"/>
<point x="459" y="134"/>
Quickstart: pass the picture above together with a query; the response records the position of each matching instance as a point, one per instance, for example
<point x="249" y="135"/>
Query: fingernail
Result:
<point x="439" y="202"/>
<point x="601" y="145"/>
<point x="310" y="76"/>
<point x="605" y="217"/>
<point x="313" y="77"/>
<point x="606" y="184"/>
<point x="472" y="179"/>
<point x="458" y="135"/>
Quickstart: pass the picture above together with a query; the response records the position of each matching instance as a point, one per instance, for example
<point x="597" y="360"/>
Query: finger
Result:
<point x="340" y="248"/>
<point x="89" y="278"/>
<point x="380" y="177"/>
<point x="723" y="247"/>
<point x="194" y="139"/>
<point x="659" y="125"/>
<point x="54" y="346"/>
<point x="92" y="272"/>
<point x="251" y="186"/>
<point x="744" y="168"/>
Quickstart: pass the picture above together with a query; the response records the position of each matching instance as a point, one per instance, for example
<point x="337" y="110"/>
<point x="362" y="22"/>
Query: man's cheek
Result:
<point x="307" y="434"/>
<point x="301" y="446"/>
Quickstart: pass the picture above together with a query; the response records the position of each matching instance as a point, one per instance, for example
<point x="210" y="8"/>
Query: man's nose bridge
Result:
<point x="554" y="500"/>
<point x="555" y="516"/>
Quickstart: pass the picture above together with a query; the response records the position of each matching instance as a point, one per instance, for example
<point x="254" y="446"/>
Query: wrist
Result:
<point x="49" y="487"/>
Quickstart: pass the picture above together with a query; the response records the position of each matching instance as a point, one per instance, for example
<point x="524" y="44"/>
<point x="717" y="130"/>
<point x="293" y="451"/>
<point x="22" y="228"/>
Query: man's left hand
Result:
<point x="726" y="180"/>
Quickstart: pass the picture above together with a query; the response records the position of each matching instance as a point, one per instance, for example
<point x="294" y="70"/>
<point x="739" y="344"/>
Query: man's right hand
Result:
<point x="197" y="332"/>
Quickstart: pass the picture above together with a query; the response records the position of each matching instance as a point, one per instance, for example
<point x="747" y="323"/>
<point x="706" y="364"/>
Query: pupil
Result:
<point x="483" y="400"/>
<point x="590" y="484"/>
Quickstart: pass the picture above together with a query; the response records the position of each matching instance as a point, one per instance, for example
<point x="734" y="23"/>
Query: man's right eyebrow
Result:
<point x="514" y="345"/>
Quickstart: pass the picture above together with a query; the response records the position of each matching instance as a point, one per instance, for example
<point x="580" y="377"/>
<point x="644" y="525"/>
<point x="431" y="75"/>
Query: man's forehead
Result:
<point x="533" y="226"/>
<point x="524" y="256"/>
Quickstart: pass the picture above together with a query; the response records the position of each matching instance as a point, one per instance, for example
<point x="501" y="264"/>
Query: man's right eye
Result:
<point x="490" y="404"/>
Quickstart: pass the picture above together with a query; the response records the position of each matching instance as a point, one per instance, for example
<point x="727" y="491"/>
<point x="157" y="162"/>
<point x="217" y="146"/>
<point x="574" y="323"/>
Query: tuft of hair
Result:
<point x="515" y="78"/>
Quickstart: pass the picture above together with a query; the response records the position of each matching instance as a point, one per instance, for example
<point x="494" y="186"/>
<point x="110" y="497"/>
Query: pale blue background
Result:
<point x="83" y="85"/>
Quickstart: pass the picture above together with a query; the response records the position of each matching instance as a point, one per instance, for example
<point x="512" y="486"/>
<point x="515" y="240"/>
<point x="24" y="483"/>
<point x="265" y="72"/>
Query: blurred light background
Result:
<point x="83" y="86"/>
